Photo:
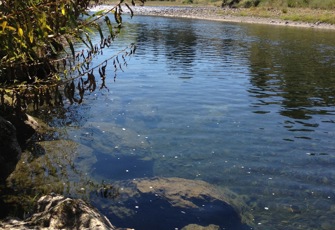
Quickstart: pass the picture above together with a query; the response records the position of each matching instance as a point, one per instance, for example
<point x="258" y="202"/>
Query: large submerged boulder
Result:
<point x="58" y="212"/>
<point x="10" y="150"/>
<point x="172" y="203"/>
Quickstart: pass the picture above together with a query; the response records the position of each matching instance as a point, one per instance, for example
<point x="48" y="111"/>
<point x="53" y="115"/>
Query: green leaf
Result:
<point x="109" y="25"/>
<point x="54" y="50"/>
<point x="117" y="17"/>
<point x="100" y="32"/>
<point x="71" y="46"/>
<point x="84" y="42"/>
<point x="89" y="40"/>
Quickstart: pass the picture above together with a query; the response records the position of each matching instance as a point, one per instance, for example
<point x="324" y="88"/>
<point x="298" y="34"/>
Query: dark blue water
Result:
<point x="246" y="107"/>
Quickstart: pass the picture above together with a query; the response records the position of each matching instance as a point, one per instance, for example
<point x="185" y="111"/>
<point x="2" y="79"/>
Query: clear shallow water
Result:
<point x="247" y="107"/>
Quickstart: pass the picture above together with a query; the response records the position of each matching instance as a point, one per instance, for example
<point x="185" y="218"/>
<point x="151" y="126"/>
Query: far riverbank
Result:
<point x="217" y="14"/>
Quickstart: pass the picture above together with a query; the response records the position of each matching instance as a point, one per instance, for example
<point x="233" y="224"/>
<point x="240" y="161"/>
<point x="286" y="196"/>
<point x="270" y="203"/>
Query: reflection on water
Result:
<point x="246" y="107"/>
<point x="296" y="72"/>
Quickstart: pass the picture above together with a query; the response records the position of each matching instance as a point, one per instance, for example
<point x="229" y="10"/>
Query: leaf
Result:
<point x="99" y="12"/>
<point x="89" y="40"/>
<point x="10" y="28"/>
<point x="117" y="17"/>
<point x="54" y="50"/>
<point x="142" y="1"/>
<point x="84" y="42"/>
<point x="71" y="47"/>
<point x="131" y="11"/>
<point x="69" y="91"/>
<point x="110" y="27"/>
<point x="100" y="32"/>
<point x="20" y="31"/>
<point x="63" y="9"/>
<point x="3" y="25"/>
<point x="92" y="86"/>
<point x="30" y="31"/>
<point x="81" y="90"/>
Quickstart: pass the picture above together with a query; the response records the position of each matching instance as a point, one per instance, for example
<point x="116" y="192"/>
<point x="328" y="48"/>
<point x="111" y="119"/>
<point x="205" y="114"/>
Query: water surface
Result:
<point x="246" y="107"/>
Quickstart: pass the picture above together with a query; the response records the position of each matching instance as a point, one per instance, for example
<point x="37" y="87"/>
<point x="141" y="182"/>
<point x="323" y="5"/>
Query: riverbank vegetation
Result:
<point x="38" y="61"/>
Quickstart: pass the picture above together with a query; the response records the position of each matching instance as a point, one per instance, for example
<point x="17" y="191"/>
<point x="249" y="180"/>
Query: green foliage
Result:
<point x="324" y="4"/>
<point x="314" y="4"/>
<point x="249" y="3"/>
<point x="37" y="56"/>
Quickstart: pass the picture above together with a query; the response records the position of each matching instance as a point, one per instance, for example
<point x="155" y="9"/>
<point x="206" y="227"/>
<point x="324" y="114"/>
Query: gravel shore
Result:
<point x="215" y="14"/>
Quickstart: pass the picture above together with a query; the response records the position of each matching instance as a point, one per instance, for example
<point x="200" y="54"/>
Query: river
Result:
<point x="247" y="107"/>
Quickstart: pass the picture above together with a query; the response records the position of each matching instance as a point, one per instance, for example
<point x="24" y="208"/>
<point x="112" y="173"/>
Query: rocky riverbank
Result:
<point x="216" y="14"/>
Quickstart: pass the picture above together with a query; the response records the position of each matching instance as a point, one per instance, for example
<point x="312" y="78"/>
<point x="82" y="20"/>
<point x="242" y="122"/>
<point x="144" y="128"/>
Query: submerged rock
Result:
<point x="58" y="212"/>
<point x="172" y="203"/>
<point x="111" y="139"/>
<point x="58" y="166"/>
<point x="199" y="227"/>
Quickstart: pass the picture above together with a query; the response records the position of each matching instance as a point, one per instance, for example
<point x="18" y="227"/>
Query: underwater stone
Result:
<point x="173" y="203"/>
<point x="199" y="227"/>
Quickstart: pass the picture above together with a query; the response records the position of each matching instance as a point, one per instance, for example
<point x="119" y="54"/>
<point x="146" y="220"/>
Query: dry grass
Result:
<point x="309" y="15"/>
<point x="292" y="14"/>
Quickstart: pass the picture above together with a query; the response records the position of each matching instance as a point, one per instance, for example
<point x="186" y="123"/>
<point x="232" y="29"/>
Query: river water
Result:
<point x="247" y="107"/>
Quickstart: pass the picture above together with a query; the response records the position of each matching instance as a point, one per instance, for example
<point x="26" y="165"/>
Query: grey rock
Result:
<point x="10" y="150"/>
<point x="58" y="212"/>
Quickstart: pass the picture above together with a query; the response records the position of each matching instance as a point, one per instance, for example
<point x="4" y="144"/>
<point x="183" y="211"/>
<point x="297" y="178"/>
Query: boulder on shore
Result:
<point x="10" y="149"/>
<point x="15" y="132"/>
<point x="58" y="212"/>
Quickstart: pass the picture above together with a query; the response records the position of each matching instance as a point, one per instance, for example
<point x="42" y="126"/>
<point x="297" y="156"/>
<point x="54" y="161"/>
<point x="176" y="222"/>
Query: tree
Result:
<point x="241" y="3"/>
<point x="37" y="56"/>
